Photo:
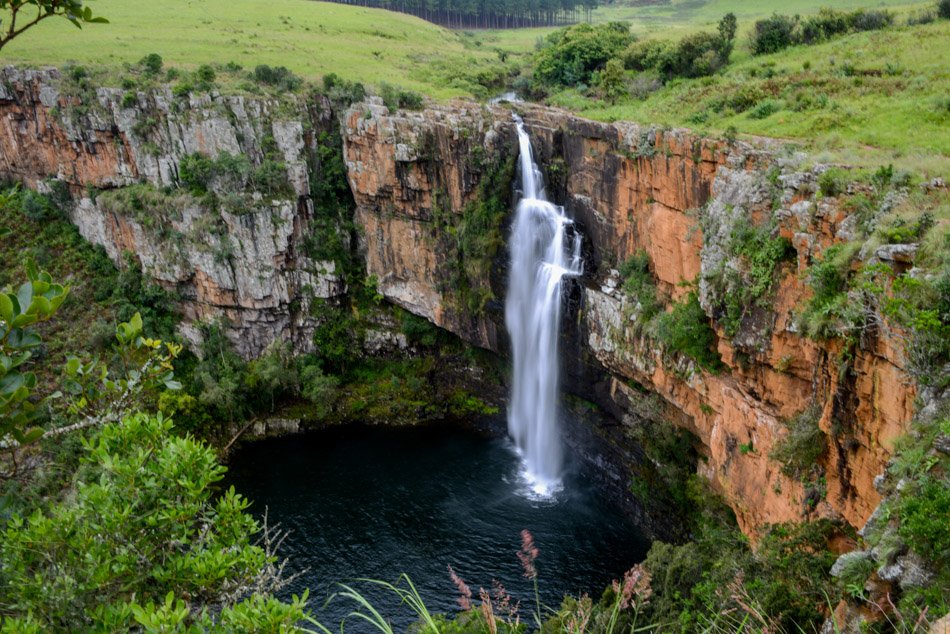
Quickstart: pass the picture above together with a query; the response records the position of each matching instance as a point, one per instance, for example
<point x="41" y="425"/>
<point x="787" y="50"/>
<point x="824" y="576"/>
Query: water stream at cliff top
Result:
<point x="544" y="251"/>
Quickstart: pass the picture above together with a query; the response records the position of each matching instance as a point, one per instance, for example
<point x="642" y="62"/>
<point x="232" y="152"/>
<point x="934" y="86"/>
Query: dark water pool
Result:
<point x="376" y="502"/>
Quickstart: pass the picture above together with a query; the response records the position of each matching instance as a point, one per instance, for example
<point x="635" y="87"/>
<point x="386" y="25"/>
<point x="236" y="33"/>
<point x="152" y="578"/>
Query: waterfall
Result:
<point x="544" y="250"/>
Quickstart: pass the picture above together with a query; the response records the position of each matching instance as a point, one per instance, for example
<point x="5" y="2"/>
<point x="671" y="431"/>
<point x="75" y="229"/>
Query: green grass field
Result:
<point x="310" y="38"/>
<point x="870" y="97"/>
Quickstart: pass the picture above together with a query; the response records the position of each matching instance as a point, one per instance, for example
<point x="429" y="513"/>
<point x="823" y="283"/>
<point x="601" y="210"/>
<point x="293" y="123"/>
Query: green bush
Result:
<point x="943" y="9"/>
<point x="800" y="450"/>
<point x="923" y="519"/>
<point x="395" y="98"/>
<point x="829" y="312"/>
<point x="151" y="495"/>
<point x="278" y="76"/>
<point x="638" y="284"/>
<point x="151" y="64"/>
<point x="686" y="329"/>
<point x="832" y="182"/>
<point x="765" y="109"/>
<point x="342" y="91"/>
<point x="743" y="289"/>
<point x="696" y="55"/>
<point x="570" y="56"/>
<point x="773" y="34"/>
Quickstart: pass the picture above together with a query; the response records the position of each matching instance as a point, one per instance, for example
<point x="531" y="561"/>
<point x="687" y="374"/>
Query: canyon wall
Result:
<point x="238" y="255"/>
<point x="419" y="181"/>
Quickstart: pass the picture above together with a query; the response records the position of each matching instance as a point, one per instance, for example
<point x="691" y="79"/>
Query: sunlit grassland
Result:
<point x="310" y="38"/>
<point x="875" y="96"/>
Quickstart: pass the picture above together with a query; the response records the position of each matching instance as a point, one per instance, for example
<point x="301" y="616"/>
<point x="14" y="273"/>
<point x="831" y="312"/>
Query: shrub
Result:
<point x="169" y="535"/>
<point x="638" y="285"/>
<point x="829" y="312"/>
<point x="805" y="443"/>
<point x="395" y="98"/>
<point x="832" y="182"/>
<point x="277" y="76"/>
<point x="943" y="9"/>
<point x="773" y="34"/>
<point x="645" y="55"/>
<point x="342" y="91"/>
<point x="696" y="55"/>
<point x="765" y="109"/>
<point x="870" y="20"/>
<point x="570" y="56"/>
<point x="205" y="77"/>
<point x="923" y="519"/>
<point x="611" y="80"/>
<point x="686" y="329"/>
<point x="151" y="64"/>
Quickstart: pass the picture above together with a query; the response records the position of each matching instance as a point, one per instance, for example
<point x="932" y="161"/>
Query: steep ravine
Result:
<point x="419" y="180"/>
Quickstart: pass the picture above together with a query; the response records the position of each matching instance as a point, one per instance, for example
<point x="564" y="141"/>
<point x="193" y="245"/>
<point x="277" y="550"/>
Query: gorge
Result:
<point x="660" y="211"/>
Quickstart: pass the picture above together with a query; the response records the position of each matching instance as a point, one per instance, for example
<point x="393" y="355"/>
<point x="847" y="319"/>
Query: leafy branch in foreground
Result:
<point x="20" y="15"/>
<point x="92" y="393"/>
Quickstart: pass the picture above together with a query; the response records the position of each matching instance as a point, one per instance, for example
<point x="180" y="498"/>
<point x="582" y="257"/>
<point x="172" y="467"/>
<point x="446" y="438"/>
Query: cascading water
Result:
<point x="544" y="250"/>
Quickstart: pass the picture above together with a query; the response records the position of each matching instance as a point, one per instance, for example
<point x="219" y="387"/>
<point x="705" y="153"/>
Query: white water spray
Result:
<point x="544" y="250"/>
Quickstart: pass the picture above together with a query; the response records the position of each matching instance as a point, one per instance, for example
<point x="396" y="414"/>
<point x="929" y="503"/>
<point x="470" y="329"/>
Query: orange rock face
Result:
<point x="631" y="189"/>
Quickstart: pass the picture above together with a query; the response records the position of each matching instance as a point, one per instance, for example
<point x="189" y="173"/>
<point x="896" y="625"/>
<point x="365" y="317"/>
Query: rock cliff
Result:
<point x="430" y="190"/>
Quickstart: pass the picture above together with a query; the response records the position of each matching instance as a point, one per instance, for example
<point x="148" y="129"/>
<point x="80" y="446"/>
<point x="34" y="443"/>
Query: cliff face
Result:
<point x="419" y="181"/>
<point x="636" y="189"/>
<point x="243" y="260"/>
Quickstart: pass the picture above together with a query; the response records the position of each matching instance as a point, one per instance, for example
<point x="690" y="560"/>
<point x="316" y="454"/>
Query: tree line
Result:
<point x="488" y="14"/>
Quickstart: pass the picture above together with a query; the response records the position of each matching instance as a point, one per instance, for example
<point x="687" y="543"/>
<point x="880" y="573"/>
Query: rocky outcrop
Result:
<point x="243" y="261"/>
<point x="417" y="179"/>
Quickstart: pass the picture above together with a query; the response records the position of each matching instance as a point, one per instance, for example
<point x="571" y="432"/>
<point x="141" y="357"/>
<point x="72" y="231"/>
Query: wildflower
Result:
<point x="465" y="593"/>
<point x="527" y="555"/>
<point x="636" y="590"/>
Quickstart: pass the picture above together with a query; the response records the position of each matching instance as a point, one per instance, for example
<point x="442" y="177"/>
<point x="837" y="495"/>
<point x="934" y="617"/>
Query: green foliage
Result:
<point x="319" y="389"/>
<point x="471" y="240"/>
<point x="219" y="378"/>
<point x="638" y="284"/>
<point x="611" y="79"/>
<point x="273" y="373"/>
<point x="805" y="443"/>
<point x="781" y="31"/>
<point x="17" y="16"/>
<point x="686" y="329"/>
<point x="169" y="536"/>
<point x="228" y="173"/>
<point x="829" y="312"/>
<point x="570" y="56"/>
<point x="331" y="228"/>
<point x="745" y="288"/>
<point x="395" y="98"/>
<point x="943" y="9"/>
<point x="338" y="335"/>
<point x="342" y="91"/>
<point x="420" y="331"/>
<point x="695" y="55"/>
<point x="923" y="516"/>
<point x="832" y="182"/>
<point x="35" y="301"/>
<point x="772" y="34"/>
<point x="151" y="64"/>
<point x="279" y="77"/>
<point x="698" y="585"/>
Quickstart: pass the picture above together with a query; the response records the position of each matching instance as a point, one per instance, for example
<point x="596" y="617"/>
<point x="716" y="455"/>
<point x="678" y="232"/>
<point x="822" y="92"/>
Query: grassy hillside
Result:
<point x="310" y="38"/>
<point x="878" y="96"/>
